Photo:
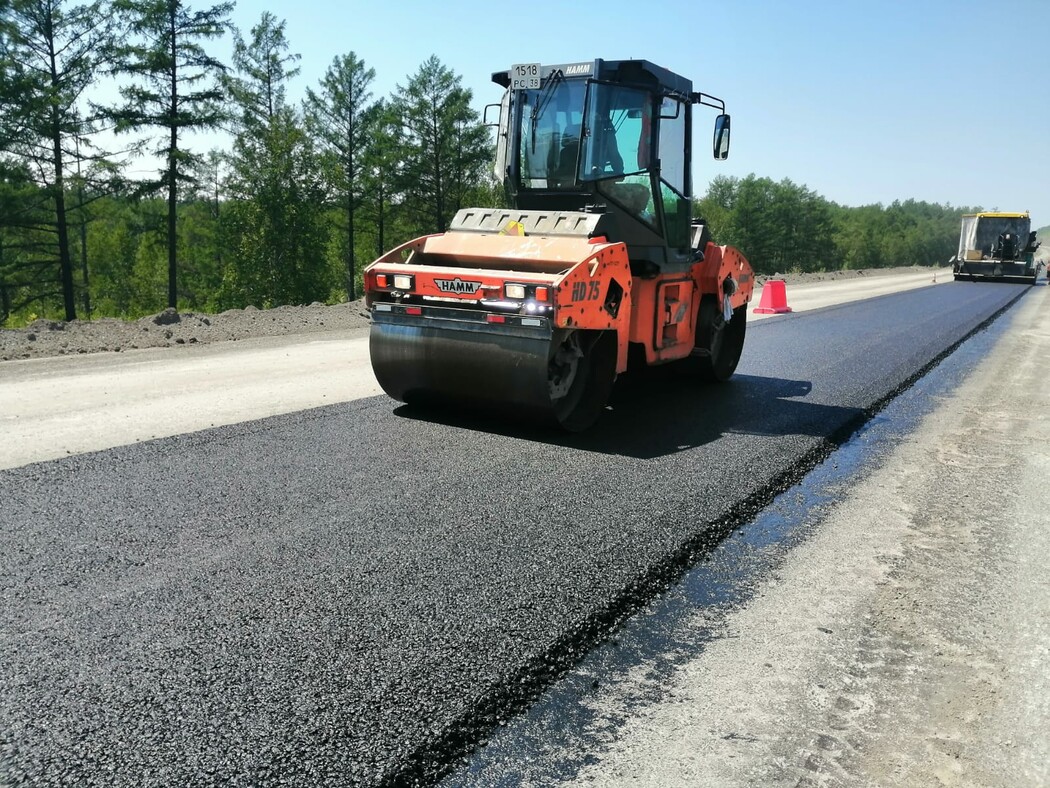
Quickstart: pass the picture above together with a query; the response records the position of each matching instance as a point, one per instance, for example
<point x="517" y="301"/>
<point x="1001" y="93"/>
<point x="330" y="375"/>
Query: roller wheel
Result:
<point x="581" y="371"/>
<point x="718" y="343"/>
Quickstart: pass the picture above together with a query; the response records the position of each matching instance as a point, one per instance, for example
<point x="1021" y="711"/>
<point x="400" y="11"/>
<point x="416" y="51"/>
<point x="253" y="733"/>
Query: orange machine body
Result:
<point x="576" y="283"/>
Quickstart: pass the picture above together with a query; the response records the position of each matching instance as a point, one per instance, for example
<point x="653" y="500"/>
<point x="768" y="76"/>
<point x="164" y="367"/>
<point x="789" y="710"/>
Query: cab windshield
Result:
<point x="577" y="132"/>
<point x="551" y="123"/>
<point x="565" y="143"/>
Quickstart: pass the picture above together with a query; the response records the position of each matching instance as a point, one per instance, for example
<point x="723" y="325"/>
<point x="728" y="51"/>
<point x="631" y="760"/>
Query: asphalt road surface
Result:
<point x="882" y="623"/>
<point x="354" y="594"/>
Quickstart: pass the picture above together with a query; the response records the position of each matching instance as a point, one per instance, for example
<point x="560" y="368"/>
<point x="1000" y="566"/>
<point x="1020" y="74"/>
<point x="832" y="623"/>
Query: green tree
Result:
<point x="112" y="241"/>
<point x="446" y="150"/>
<point x="201" y="235"/>
<point x="338" y="116"/>
<point x="15" y="87"/>
<point x="275" y="217"/>
<point x="716" y="207"/>
<point x="261" y="71"/>
<point x="801" y="228"/>
<point x="52" y="52"/>
<point x="753" y="224"/>
<point x="27" y="271"/>
<point x="381" y="174"/>
<point x="173" y="88"/>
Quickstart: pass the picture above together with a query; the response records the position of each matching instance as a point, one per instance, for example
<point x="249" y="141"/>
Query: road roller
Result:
<point x="534" y="310"/>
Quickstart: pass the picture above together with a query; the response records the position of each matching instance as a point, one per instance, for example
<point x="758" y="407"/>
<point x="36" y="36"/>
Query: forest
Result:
<point x="307" y="192"/>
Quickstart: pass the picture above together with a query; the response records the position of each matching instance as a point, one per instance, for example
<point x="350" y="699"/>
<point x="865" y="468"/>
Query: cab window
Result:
<point x="551" y="123"/>
<point x="616" y="141"/>
<point x="676" y="208"/>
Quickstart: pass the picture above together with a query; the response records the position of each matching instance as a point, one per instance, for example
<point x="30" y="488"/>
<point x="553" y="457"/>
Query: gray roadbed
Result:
<point x="906" y="643"/>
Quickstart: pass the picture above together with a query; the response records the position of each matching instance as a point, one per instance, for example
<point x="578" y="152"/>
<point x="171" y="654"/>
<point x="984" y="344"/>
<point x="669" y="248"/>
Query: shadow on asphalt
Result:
<point x="659" y="412"/>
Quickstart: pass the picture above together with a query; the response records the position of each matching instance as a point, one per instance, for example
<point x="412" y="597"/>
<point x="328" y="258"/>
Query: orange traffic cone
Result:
<point x="774" y="298"/>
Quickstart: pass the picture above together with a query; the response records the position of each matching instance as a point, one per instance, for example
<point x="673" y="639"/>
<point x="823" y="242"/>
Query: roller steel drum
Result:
<point x="453" y="357"/>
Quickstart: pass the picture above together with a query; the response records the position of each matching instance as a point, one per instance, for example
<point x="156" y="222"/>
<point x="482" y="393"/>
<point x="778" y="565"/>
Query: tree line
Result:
<point x="305" y="192"/>
<point x="782" y="227"/>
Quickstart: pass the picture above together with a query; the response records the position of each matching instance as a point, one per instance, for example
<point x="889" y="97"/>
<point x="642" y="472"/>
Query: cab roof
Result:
<point x="628" y="71"/>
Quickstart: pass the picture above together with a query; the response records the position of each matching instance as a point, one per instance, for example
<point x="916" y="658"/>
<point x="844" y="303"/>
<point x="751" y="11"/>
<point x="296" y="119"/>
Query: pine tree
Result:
<point x="338" y="117"/>
<point x="381" y="167"/>
<point x="173" y="88"/>
<point x="261" y="71"/>
<point x="446" y="150"/>
<point x="277" y="196"/>
<point x="51" y="53"/>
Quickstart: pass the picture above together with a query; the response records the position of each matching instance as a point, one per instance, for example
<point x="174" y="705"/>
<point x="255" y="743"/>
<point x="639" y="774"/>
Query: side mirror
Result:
<point x="721" y="141"/>
<point x="667" y="104"/>
<point x="485" y="117"/>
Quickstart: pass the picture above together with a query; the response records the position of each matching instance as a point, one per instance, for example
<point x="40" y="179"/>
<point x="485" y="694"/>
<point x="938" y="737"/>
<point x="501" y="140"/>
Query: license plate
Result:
<point x="525" y="76"/>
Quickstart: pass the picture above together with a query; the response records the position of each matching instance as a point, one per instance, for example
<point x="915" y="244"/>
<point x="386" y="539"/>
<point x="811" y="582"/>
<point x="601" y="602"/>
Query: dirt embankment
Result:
<point x="170" y="328"/>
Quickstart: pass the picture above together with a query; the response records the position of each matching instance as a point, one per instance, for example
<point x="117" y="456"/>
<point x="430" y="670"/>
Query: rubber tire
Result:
<point x="591" y="388"/>
<point x="718" y="344"/>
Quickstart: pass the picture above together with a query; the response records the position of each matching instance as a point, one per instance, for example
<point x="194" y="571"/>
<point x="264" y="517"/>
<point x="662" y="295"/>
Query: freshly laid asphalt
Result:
<point x="352" y="595"/>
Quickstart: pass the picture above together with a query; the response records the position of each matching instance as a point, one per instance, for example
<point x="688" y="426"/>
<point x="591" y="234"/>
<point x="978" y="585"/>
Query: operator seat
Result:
<point x="610" y="148"/>
<point x="565" y="172"/>
<point x="1006" y="247"/>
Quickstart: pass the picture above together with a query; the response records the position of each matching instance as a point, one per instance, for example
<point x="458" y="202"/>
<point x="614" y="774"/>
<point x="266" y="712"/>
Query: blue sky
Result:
<point x="862" y="102"/>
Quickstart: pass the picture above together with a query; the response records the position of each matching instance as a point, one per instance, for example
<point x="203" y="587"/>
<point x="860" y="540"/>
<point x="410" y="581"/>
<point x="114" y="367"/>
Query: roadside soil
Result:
<point x="906" y="642"/>
<point x="43" y="338"/>
<point x="170" y="328"/>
